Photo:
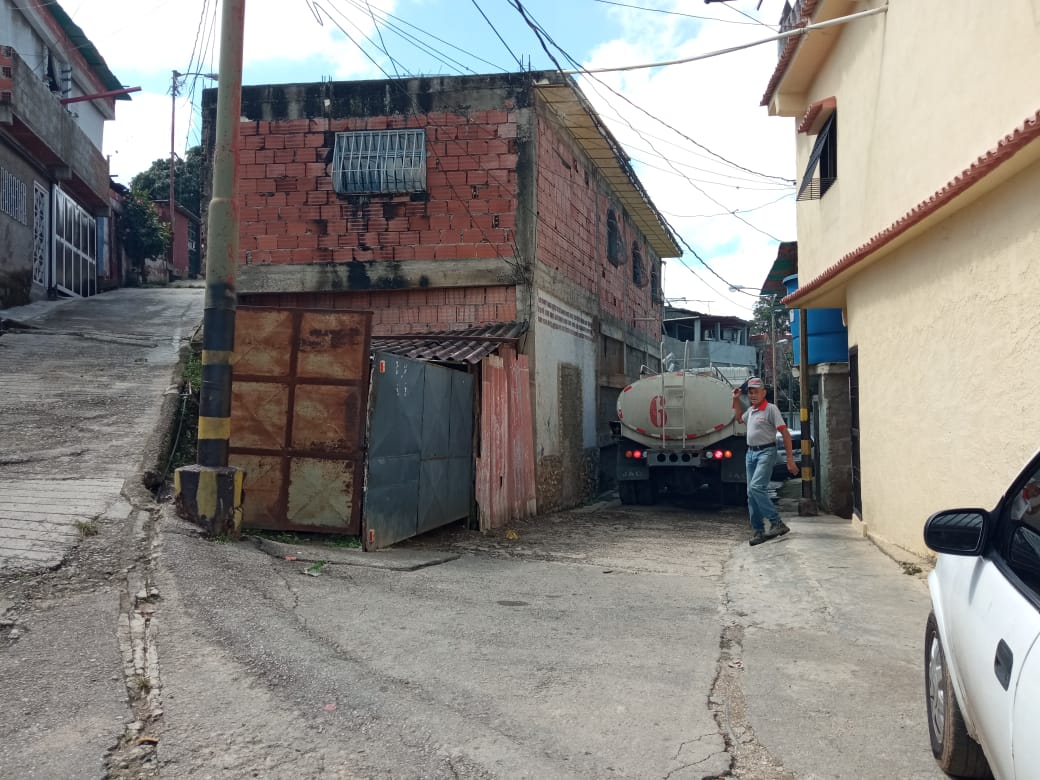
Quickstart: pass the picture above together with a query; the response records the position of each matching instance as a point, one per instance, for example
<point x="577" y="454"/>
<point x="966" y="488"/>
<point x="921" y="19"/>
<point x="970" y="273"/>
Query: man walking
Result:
<point x="763" y="421"/>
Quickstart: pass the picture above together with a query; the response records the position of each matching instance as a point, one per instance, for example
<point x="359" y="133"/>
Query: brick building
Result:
<point x="442" y="204"/>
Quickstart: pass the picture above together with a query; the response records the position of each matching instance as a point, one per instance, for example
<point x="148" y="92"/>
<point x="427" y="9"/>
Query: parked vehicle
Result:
<point x="981" y="648"/>
<point x="780" y="472"/>
<point x="677" y="434"/>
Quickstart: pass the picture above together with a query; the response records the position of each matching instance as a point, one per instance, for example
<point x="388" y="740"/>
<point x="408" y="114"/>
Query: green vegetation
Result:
<point x="186" y="435"/>
<point x="87" y="527"/>
<point x="141" y="231"/>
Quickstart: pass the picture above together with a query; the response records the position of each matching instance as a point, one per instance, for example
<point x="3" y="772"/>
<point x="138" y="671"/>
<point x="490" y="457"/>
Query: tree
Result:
<point x="141" y="232"/>
<point x="187" y="180"/>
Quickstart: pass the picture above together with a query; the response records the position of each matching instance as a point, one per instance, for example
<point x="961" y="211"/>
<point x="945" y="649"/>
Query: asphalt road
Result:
<point x="608" y="641"/>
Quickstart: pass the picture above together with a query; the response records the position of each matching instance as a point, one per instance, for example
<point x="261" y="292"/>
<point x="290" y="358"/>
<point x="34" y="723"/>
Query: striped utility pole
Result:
<point x="210" y="492"/>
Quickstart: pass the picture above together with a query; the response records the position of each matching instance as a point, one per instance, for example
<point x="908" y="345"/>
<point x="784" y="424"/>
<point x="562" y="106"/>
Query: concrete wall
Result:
<point x="945" y="329"/>
<point x="16" y="237"/>
<point x="833" y="444"/>
<point x="565" y="404"/>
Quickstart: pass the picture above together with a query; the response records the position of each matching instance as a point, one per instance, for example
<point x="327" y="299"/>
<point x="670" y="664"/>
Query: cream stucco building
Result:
<point x="918" y="143"/>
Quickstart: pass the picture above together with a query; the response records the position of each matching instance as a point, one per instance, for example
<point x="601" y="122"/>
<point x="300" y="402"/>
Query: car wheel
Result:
<point x="956" y="752"/>
<point x="626" y="491"/>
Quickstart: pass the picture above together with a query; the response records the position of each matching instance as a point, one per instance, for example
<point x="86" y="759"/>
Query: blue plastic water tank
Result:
<point x="828" y="336"/>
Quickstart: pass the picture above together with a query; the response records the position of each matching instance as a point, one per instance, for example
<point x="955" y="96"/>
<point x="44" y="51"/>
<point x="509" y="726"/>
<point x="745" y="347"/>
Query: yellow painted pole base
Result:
<point x="211" y="498"/>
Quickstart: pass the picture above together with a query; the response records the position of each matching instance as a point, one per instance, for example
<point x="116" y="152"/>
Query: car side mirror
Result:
<point x="958" y="531"/>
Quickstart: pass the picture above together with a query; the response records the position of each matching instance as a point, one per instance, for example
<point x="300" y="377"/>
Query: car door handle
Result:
<point x="1002" y="663"/>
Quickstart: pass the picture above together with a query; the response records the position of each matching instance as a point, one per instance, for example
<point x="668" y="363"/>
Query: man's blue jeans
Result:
<point x="759" y="468"/>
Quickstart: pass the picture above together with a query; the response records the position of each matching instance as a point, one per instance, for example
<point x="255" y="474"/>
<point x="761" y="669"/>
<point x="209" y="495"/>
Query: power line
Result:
<point x="379" y="32"/>
<point x="519" y="5"/>
<point x="679" y="13"/>
<point x="495" y="30"/>
<point x="438" y="55"/>
<point x="724" y="213"/>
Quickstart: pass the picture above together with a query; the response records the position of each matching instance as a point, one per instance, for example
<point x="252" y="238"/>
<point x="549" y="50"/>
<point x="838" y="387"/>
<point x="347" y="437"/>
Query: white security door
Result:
<point x="75" y="247"/>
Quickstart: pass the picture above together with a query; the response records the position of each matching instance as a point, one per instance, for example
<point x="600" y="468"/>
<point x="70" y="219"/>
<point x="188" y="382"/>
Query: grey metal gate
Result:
<point x="420" y="449"/>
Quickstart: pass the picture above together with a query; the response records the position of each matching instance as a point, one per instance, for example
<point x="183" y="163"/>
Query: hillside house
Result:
<point x="916" y="218"/>
<point x="56" y="93"/>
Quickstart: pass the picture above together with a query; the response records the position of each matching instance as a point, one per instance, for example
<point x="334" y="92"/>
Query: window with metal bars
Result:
<point x="379" y="161"/>
<point x="822" y="170"/>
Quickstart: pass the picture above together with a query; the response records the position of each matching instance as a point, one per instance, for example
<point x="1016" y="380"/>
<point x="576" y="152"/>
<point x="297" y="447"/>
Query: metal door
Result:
<point x="298" y="401"/>
<point x="420" y="455"/>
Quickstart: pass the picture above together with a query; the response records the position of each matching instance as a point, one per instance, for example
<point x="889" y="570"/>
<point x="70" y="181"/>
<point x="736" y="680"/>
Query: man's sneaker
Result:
<point x="778" y="529"/>
<point x="757" y="538"/>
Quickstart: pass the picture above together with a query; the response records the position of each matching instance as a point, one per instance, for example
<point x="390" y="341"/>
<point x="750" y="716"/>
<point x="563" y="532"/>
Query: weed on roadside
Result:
<point x="186" y="437"/>
<point x="87" y="527"/>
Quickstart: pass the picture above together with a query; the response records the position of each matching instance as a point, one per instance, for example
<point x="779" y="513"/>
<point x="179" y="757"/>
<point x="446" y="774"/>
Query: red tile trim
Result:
<point x="816" y="115"/>
<point x="1007" y="147"/>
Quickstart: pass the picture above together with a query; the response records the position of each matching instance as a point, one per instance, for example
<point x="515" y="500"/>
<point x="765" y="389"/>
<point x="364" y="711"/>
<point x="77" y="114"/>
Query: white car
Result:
<point x="981" y="649"/>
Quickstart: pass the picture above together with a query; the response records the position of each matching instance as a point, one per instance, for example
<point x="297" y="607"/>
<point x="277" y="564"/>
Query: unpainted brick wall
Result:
<point x="572" y="227"/>
<point x="290" y="213"/>
<point x="396" y="312"/>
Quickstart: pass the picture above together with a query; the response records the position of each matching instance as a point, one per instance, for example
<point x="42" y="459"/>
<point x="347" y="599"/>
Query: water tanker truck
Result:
<point x="677" y="434"/>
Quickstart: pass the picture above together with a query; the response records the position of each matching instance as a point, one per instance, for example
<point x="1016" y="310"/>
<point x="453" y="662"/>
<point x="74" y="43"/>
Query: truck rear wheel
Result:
<point x="645" y="493"/>
<point x="627" y="492"/>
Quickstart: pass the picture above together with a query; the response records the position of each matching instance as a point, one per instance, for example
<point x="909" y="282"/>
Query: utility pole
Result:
<point x="173" y="158"/>
<point x="209" y="493"/>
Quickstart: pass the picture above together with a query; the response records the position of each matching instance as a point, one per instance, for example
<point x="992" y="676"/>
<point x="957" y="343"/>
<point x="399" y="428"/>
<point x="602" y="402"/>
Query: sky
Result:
<point x="718" y="168"/>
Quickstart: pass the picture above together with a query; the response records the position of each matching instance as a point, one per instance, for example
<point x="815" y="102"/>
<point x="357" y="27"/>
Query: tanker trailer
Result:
<point x="677" y="434"/>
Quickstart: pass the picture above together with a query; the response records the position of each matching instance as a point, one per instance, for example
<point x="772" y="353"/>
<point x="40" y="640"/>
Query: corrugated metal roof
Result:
<point x="469" y="345"/>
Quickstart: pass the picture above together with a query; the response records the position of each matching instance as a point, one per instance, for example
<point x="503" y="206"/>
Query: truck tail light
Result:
<point x="718" y="454"/>
<point x="634" y="454"/>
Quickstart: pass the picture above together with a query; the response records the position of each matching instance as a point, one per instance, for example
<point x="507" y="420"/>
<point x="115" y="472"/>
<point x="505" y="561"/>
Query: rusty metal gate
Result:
<point x="420" y="457"/>
<point x="298" y="409"/>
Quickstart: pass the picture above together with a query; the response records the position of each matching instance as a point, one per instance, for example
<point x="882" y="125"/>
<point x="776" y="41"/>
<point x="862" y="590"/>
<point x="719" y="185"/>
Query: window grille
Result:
<point x="824" y="157"/>
<point x="613" y="239"/>
<point x="638" y="275"/>
<point x="14" y="197"/>
<point x="374" y="161"/>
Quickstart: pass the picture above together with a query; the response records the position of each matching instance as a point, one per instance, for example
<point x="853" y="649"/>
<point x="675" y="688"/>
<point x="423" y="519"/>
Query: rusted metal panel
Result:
<point x="332" y="347"/>
<point x="298" y="416"/>
<point x="505" y="470"/>
<point x="325" y="418"/>
<point x="263" y="342"/>
<point x="320" y="494"/>
<point x="259" y="414"/>
<point x="521" y="437"/>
